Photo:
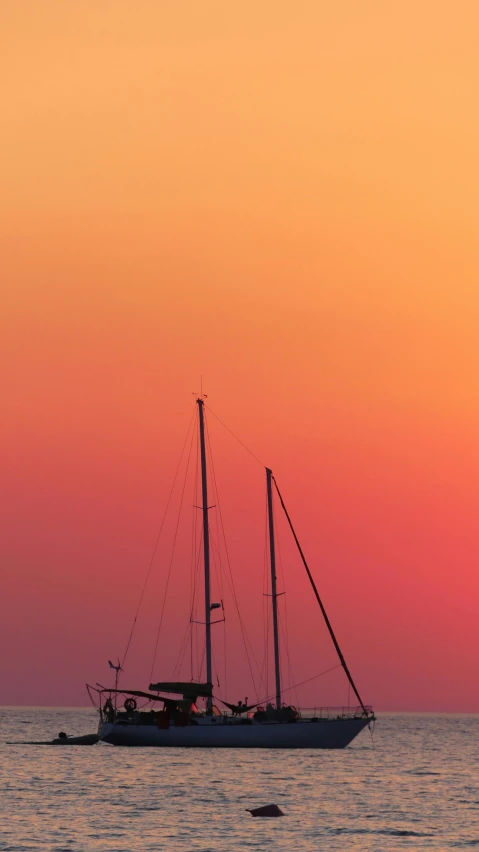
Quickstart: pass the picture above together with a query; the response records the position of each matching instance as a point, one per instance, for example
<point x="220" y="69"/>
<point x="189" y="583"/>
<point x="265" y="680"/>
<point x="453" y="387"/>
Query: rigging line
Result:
<point x="246" y="640"/>
<point x="194" y="625"/>
<point x="196" y="574"/>
<point x="217" y="560"/>
<point x="216" y="549"/>
<point x="156" y="545"/>
<point x="284" y="626"/>
<point x="215" y="668"/>
<point x="171" y="558"/>
<point x="193" y="616"/>
<point x="90" y="696"/>
<point x="225" y="648"/>
<point x="200" y="669"/>
<point x="218" y="566"/>
<point x="267" y="613"/>
<point x="236" y="437"/>
<point x="290" y="668"/>
<point x="191" y="652"/>
<point x="183" y="647"/>
<point x="321" y="605"/>
<point x="267" y="610"/>
<point x="297" y="685"/>
<point x="232" y="586"/>
<point x="265" y="671"/>
<point x="280" y="573"/>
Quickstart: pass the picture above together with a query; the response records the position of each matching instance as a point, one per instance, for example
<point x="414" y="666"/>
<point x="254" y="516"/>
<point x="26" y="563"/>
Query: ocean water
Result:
<point x="414" y="785"/>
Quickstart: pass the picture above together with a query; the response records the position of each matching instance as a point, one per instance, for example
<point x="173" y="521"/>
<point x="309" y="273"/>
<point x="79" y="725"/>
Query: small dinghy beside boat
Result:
<point x="86" y="739"/>
<point x="62" y="739"/>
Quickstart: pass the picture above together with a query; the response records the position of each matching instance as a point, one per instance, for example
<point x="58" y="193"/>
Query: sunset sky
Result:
<point x="281" y="198"/>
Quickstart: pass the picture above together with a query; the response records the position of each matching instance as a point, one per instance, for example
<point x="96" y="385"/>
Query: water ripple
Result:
<point x="416" y="790"/>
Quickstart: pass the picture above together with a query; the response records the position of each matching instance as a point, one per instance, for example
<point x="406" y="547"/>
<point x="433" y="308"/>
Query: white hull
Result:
<point x="325" y="733"/>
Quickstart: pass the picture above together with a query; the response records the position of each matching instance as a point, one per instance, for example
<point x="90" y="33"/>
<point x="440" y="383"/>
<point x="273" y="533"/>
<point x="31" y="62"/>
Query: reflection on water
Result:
<point x="417" y="788"/>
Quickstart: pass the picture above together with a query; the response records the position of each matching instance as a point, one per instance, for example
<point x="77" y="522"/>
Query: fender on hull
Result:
<point x="334" y="733"/>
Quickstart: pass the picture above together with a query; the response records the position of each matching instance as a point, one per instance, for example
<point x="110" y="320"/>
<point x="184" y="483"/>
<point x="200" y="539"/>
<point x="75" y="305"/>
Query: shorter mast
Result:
<point x="321" y="605"/>
<point x="274" y="594"/>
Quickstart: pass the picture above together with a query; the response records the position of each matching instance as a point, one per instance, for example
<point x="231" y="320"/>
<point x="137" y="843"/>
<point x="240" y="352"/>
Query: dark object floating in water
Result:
<point x="86" y="739"/>
<point x="62" y="739"/>
<point x="266" y="811"/>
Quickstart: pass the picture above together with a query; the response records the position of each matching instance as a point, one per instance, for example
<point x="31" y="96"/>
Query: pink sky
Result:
<point x="283" y="201"/>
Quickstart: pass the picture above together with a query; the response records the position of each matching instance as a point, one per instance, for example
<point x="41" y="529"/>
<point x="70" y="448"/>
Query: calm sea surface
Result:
<point x="415" y="787"/>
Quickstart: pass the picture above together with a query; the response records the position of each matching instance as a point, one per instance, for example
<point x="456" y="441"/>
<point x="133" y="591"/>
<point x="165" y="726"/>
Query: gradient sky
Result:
<point x="282" y="198"/>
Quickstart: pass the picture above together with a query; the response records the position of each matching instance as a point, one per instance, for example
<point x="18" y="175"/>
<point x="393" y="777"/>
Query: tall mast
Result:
<point x="206" y="547"/>
<point x="274" y="594"/>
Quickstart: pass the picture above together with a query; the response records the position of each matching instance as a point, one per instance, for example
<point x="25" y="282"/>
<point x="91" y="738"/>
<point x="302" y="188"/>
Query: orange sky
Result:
<point x="282" y="198"/>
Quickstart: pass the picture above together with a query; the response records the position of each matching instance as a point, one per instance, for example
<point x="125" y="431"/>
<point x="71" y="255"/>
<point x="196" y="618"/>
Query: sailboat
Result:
<point x="177" y="719"/>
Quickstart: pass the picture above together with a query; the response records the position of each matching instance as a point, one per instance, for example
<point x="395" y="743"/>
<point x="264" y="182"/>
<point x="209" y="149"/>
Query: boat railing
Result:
<point x="336" y="712"/>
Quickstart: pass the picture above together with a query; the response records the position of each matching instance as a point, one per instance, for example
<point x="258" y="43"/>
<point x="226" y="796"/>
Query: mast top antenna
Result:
<point x="200" y="395"/>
